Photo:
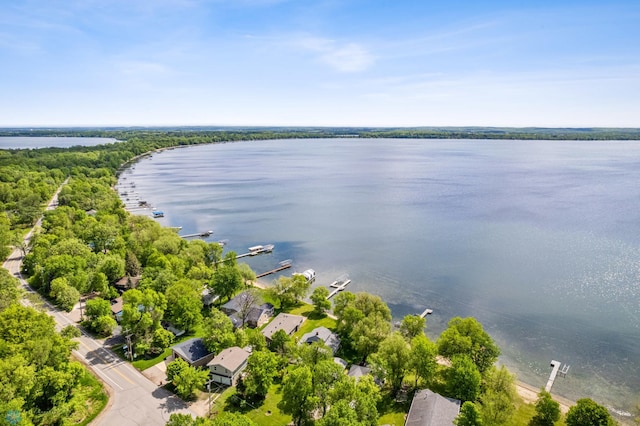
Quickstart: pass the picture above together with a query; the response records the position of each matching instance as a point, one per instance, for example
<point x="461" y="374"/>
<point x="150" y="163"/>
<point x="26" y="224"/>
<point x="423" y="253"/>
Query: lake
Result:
<point x="34" y="142"/>
<point x="539" y="240"/>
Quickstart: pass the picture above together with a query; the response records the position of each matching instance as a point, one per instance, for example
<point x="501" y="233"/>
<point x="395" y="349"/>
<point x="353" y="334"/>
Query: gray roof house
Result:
<point x="193" y="351"/>
<point x="227" y="365"/>
<point x="287" y="322"/>
<point x="324" y="335"/>
<point x="431" y="409"/>
<point x="356" y="371"/>
<point x="234" y="305"/>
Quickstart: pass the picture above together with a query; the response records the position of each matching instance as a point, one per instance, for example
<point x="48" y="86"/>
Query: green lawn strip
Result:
<point x="392" y="412"/>
<point x="88" y="400"/>
<point x="266" y="414"/>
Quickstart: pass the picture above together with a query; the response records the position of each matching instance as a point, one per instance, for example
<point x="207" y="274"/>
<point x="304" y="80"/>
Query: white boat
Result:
<point x="309" y="274"/>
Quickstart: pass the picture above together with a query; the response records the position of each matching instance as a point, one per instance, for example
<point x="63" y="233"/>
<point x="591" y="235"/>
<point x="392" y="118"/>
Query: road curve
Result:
<point x="135" y="399"/>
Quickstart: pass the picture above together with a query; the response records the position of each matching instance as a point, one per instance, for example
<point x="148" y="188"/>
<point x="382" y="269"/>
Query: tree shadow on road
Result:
<point x="170" y="402"/>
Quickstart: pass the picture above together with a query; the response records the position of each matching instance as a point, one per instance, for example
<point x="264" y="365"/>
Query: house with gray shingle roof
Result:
<point x="324" y="335"/>
<point x="287" y="322"/>
<point x="431" y="409"/>
<point x="193" y="351"/>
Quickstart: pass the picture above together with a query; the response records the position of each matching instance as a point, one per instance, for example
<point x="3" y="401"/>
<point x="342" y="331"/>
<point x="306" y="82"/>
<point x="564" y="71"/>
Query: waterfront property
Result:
<point x="227" y="365"/>
<point x="431" y="409"/>
<point x="287" y="322"/>
<point x="324" y="335"/>
<point x="193" y="352"/>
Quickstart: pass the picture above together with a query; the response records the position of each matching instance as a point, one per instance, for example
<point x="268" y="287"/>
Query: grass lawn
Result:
<point x="391" y="412"/>
<point x="144" y="362"/>
<point x="524" y="413"/>
<point x="313" y="320"/>
<point x="266" y="414"/>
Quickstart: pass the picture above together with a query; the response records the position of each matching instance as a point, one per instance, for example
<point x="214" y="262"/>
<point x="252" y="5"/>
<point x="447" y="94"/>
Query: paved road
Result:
<point x="134" y="399"/>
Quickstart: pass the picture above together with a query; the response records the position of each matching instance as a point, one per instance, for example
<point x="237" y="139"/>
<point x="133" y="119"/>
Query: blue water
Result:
<point x="539" y="240"/>
<point x="29" y="142"/>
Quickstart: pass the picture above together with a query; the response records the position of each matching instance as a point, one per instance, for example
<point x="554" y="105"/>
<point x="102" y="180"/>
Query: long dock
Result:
<point x="198" y="234"/>
<point x="282" y="267"/>
<point x="556" y="367"/>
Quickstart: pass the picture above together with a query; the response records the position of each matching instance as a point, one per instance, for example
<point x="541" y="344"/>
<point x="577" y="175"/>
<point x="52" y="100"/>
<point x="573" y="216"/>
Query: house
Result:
<point x="356" y="371"/>
<point x="324" y="335"/>
<point x="287" y="322"/>
<point x="259" y="315"/>
<point x="127" y="282"/>
<point x="255" y="316"/>
<point x="116" y="308"/>
<point x="227" y="365"/>
<point x="431" y="409"/>
<point x="193" y="351"/>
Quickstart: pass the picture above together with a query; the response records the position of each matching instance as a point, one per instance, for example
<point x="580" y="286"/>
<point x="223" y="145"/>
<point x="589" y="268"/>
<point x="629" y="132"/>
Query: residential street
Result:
<point x="134" y="400"/>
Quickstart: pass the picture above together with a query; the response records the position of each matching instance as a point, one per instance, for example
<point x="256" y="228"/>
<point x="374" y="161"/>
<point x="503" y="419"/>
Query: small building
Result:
<point x="193" y="351"/>
<point x="208" y="298"/>
<point x="116" y="308"/>
<point x="127" y="282"/>
<point x="256" y="316"/>
<point x="431" y="409"/>
<point x="287" y="322"/>
<point x="227" y="365"/>
<point x="324" y="335"/>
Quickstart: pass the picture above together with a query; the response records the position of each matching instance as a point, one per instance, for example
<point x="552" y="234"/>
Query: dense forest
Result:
<point x="89" y="243"/>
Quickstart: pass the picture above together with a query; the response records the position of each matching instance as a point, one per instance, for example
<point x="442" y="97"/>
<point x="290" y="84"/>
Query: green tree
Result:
<point x="465" y="336"/>
<point x="280" y="342"/>
<point x="186" y="379"/>
<point x="547" y="410"/>
<point x="9" y="292"/>
<point x="320" y="302"/>
<point x="463" y="379"/>
<point x="412" y="326"/>
<point x="260" y="372"/>
<point x="230" y="419"/>
<point x="423" y="358"/>
<point x="469" y="415"/>
<point x="497" y="400"/>
<point x="227" y="279"/>
<point x="246" y="273"/>
<point x="587" y="412"/>
<point x="392" y="361"/>
<point x="218" y="332"/>
<point x="287" y="291"/>
<point x="340" y="414"/>
<point x="184" y="305"/>
<point x="297" y="394"/>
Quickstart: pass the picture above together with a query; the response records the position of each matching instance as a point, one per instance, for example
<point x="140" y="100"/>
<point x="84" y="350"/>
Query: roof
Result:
<point x="231" y="358"/>
<point x="431" y="409"/>
<point x="358" y="371"/>
<point x="208" y="297"/>
<point x="287" y="322"/>
<point x="191" y="350"/>
<point x="116" y="305"/>
<point x="256" y="312"/>
<point x="341" y="362"/>
<point x="324" y="335"/>
<point x="235" y="304"/>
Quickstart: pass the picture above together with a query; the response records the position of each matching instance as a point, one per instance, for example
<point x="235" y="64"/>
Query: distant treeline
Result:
<point x="191" y="135"/>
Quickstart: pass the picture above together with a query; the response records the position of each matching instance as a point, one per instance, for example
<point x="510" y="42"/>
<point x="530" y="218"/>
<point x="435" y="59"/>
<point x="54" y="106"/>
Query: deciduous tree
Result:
<point x="547" y="410"/>
<point x="587" y="412"/>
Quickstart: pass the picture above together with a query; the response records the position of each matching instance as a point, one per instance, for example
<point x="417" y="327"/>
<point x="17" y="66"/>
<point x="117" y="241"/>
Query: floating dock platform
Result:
<point x="426" y="312"/>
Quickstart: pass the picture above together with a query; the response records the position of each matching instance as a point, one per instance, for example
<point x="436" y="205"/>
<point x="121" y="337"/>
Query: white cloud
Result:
<point x="343" y="57"/>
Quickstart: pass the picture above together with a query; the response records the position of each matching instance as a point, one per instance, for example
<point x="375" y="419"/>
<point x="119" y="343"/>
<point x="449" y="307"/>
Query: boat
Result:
<point x="261" y="249"/>
<point x="158" y="213"/>
<point x="309" y="275"/>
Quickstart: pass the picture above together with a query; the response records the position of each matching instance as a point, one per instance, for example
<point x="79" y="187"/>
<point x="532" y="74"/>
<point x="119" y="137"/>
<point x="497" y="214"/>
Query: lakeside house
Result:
<point x="287" y="322"/>
<point x="116" y="308"/>
<point x="324" y="335"/>
<point x="255" y="316"/>
<point x="127" y="282"/>
<point x="193" y="351"/>
<point x="227" y="366"/>
<point x="431" y="409"/>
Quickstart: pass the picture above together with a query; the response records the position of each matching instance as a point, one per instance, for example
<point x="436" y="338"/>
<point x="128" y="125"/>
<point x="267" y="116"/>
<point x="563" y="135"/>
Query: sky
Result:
<point x="374" y="63"/>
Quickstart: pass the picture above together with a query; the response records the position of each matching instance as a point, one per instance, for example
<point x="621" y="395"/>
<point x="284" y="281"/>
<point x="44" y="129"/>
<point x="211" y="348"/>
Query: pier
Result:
<point x="285" y="264"/>
<point x="338" y="285"/>
<point x="426" y="312"/>
<point x="555" y="365"/>
<point x="198" y="234"/>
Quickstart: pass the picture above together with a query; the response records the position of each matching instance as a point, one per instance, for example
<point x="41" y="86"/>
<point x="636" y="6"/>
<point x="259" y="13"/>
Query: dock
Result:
<point x="555" y="365"/>
<point x="256" y="250"/>
<point x="198" y="234"/>
<point x="338" y="285"/>
<point x="285" y="264"/>
<point x="426" y="312"/>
